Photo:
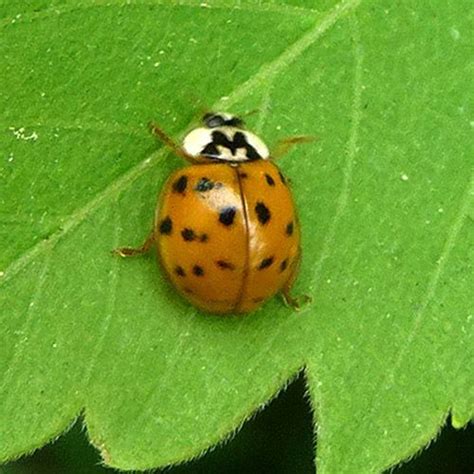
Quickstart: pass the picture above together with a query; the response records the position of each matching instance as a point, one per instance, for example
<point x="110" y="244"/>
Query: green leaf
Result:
<point x="386" y="207"/>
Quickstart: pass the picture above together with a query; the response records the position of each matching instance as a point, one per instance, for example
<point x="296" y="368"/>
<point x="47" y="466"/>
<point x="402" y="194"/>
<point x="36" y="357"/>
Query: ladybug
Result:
<point x="226" y="229"/>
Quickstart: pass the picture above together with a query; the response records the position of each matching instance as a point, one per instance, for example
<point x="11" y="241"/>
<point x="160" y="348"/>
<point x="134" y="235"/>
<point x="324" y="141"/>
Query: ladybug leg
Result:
<point x="284" y="145"/>
<point x="294" y="302"/>
<point x="157" y="131"/>
<point x="131" y="251"/>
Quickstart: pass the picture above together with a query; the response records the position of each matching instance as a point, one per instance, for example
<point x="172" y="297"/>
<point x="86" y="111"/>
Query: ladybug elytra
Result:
<point x="226" y="229"/>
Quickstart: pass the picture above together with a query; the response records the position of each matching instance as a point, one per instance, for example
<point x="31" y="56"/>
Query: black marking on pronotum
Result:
<point x="188" y="234"/>
<point x="204" y="184"/>
<point x="283" y="265"/>
<point x="179" y="186"/>
<point x="263" y="213"/>
<point x="226" y="215"/>
<point x="282" y="178"/>
<point x="243" y="175"/>
<point x="198" y="271"/>
<point x="238" y="141"/>
<point x="179" y="271"/>
<point x="203" y="238"/>
<point x="265" y="263"/>
<point x="270" y="180"/>
<point x="289" y="228"/>
<point x="166" y="226"/>
<point x="225" y="265"/>
<point x="211" y="151"/>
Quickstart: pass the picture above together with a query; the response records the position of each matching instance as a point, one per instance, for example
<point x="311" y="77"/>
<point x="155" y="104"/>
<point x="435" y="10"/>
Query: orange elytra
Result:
<point x="226" y="229"/>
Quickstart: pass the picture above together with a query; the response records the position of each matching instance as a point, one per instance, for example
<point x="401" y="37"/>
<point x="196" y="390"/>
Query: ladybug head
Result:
<point x="223" y="138"/>
<point x="214" y="120"/>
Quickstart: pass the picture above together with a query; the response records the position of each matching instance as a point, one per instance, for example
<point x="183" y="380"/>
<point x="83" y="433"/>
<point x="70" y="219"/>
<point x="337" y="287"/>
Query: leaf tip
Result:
<point x="459" y="420"/>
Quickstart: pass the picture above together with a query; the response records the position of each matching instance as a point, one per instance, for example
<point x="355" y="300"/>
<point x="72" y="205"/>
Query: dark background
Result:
<point x="279" y="440"/>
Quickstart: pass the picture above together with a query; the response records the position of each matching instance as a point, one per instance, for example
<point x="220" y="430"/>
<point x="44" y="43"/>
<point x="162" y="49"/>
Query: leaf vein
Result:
<point x="351" y="154"/>
<point x="266" y="72"/>
<point x="109" y="307"/>
<point x="441" y="263"/>
<point x="26" y="327"/>
<point x="290" y="54"/>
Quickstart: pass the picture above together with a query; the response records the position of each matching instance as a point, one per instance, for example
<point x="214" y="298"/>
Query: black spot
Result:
<point x="283" y="179"/>
<point x="203" y="238"/>
<point x="179" y="186"/>
<point x="289" y="228"/>
<point x="284" y="265"/>
<point x="188" y="234"/>
<point x="226" y="215"/>
<point x="265" y="263"/>
<point x="180" y="271"/>
<point x="243" y="175"/>
<point x="270" y="180"/>
<point x="198" y="271"/>
<point x="263" y="213"/>
<point x="225" y="265"/>
<point x="204" y="184"/>
<point x="166" y="226"/>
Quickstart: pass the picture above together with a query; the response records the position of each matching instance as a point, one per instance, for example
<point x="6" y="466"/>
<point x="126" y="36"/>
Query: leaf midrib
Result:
<point x="267" y="71"/>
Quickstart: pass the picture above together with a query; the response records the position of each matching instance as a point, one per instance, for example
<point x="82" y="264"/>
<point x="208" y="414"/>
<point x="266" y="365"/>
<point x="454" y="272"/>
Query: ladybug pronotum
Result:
<point x="226" y="229"/>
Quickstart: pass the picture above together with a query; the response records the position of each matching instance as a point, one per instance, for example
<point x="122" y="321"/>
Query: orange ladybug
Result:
<point x="226" y="228"/>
